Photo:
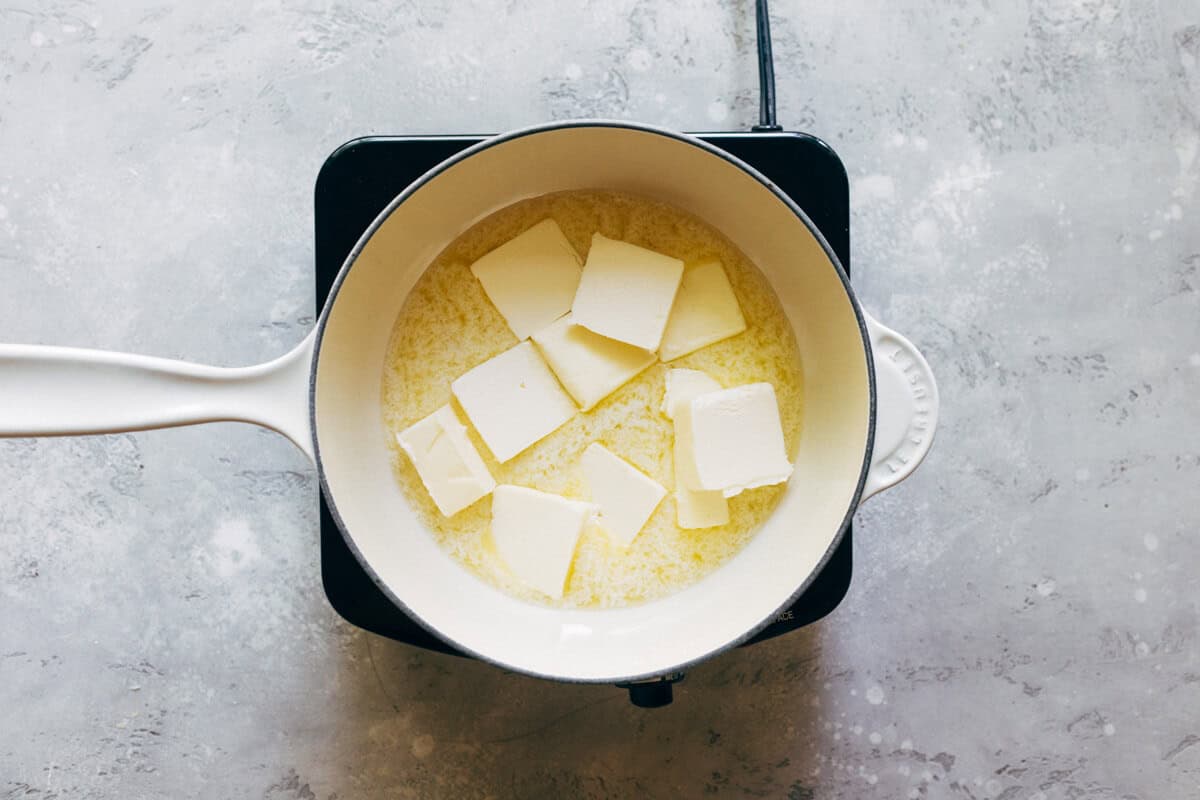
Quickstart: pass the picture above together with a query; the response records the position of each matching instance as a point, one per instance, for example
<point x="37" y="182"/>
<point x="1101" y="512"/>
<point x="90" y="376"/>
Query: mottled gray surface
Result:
<point x="1023" y="619"/>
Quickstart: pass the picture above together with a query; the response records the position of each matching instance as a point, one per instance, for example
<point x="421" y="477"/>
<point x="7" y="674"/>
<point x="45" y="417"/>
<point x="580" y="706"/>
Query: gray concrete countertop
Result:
<point x="1023" y="618"/>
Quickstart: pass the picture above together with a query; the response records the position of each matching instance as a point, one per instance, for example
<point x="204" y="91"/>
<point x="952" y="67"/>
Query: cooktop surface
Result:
<point x="360" y="178"/>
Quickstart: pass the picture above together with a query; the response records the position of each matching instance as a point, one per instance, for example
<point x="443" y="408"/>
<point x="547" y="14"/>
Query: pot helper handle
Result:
<point x="67" y="391"/>
<point x="906" y="408"/>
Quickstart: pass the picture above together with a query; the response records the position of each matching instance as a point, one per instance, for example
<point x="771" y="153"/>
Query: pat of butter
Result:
<point x="531" y="280"/>
<point x="625" y="495"/>
<point x="705" y="312"/>
<point x="735" y="439"/>
<point x="683" y="385"/>
<point x="513" y="400"/>
<point x="626" y="292"/>
<point x="449" y="465"/>
<point x="693" y="509"/>
<point x="535" y="534"/>
<point x="589" y="365"/>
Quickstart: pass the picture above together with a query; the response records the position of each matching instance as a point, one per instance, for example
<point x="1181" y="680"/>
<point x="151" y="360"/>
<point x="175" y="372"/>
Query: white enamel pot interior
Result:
<point x="870" y="402"/>
<point x="834" y="468"/>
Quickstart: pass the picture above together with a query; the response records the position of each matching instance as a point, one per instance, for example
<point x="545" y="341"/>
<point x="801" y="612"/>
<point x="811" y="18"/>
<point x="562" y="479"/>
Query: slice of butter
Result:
<point x="626" y="292"/>
<point x="683" y="385"/>
<point x="705" y="312"/>
<point x="531" y="280"/>
<point x="449" y="465"/>
<point x="513" y="400"/>
<point x="625" y="495"/>
<point x="734" y="439"/>
<point x="589" y="365"/>
<point x="693" y="509"/>
<point x="535" y="534"/>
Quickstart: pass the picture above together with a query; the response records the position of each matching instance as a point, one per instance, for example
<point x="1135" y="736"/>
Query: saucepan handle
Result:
<point x="906" y="410"/>
<point x="66" y="391"/>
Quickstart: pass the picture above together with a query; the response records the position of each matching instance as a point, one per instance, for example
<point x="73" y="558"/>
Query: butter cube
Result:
<point x="626" y="292"/>
<point x="683" y="385"/>
<point x="513" y="400"/>
<point x="734" y="438"/>
<point x="535" y="534"/>
<point x="589" y="365"/>
<point x="705" y="312"/>
<point x="693" y="508"/>
<point x="531" y="280"/>
<point x="625" y="495"/>
<point x="449" y="465"/>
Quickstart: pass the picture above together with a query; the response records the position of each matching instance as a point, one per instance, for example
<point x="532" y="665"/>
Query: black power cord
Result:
<point x="766" y="71"/>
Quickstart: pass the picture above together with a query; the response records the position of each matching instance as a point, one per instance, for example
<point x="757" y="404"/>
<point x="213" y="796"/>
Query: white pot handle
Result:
<point x="906" y="408"/>
<point x="66" y="391"/>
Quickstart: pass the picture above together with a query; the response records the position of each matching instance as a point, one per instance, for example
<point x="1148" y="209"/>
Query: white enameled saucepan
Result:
<point x="870" y="401"/>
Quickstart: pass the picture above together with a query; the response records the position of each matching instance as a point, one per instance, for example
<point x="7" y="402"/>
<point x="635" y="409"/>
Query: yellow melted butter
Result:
<point x="447" y="326"/>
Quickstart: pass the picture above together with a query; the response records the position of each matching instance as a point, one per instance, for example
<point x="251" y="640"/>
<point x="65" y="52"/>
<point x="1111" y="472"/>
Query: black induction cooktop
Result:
<point x="361" y="177"/>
